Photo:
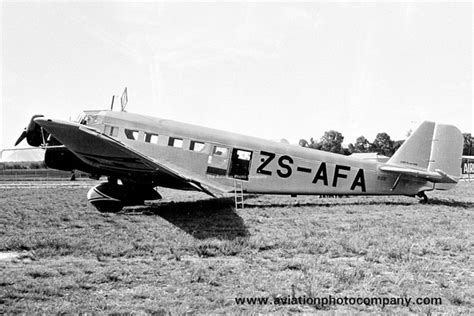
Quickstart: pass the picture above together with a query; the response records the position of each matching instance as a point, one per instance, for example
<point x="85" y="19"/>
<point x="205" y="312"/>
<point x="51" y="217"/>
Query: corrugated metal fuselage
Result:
<point x="262" y="166"/>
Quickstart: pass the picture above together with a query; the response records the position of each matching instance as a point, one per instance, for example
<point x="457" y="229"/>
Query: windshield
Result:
<point x="87" y="118"/>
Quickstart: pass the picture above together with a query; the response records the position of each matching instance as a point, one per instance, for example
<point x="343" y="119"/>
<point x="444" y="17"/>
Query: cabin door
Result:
<point x="240" y="164"/>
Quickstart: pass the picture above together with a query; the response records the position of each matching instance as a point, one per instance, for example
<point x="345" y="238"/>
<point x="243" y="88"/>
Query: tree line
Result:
<point x="382" y="144"/>
<point x="468" y="142"/>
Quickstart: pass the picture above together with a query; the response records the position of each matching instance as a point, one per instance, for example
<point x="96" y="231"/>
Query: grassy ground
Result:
<point x="190" y="256"/>
<point x="34" y="174"/>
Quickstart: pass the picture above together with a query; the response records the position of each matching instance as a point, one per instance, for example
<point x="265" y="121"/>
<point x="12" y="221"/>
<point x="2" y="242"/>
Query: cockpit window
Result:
<point x="88" y="118"/>
<point x="84" y="120"/>
<point x="131" y="134"/>
<point x="111" y="130"/>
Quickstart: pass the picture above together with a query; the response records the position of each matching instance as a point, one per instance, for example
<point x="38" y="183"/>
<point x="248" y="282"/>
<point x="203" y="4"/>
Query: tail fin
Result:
<point x="434" y="148"/>
<point x="446" y="151"/>
<point x="415" y="152"/>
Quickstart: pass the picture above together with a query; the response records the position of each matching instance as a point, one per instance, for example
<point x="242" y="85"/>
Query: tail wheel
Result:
<point x="423" y="196"/>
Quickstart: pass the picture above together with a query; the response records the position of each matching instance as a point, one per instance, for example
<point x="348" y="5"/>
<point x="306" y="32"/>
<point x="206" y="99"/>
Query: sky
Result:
<point x="273" y="70"/>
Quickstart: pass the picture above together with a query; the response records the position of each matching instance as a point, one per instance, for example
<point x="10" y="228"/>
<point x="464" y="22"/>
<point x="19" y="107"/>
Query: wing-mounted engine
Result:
<point x="109" y="197"/>
<point x="61" y="158"/>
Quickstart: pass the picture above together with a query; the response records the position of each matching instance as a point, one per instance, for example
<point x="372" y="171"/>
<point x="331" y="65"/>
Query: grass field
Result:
<point x="188" y="256"/>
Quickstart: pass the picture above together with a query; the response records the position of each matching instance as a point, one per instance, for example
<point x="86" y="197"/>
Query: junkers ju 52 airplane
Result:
<point x="138" y="153"/>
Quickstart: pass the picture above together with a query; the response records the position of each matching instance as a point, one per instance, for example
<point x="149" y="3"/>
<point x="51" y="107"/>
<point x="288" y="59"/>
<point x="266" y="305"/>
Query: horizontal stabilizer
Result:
<point x="437" y="176"/>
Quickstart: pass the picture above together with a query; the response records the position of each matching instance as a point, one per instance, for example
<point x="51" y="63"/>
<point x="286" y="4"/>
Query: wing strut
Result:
<point x="396" y="183"/>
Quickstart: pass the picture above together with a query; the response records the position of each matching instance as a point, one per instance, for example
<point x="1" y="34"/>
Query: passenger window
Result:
<point x="175" y="142"/>
<point x="111" y="130"/>
<point x="244" y="155"/>
<point x="151" y="138"/>
<point x="220" y="151"/>
<point x="196" y="146"/>
<point x="131" y="134"/>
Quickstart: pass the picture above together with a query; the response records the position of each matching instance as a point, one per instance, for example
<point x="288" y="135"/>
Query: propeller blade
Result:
<point x="33" y="133"/>
<point x="21" y="138"/>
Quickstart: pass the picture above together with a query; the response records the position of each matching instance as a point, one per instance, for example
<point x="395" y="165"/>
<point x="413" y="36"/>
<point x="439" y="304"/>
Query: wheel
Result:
<point x="108" y="206"/>
<point x="423" y="196"/>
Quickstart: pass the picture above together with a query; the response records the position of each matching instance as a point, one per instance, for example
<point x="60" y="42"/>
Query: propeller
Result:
<point x="34" y="134"/>
<point x="21" y="138"/>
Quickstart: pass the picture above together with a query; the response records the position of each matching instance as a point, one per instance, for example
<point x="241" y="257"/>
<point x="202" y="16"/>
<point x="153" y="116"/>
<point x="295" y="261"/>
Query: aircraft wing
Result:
<point x="116" y="158"/>
<point x="438" y="176"/>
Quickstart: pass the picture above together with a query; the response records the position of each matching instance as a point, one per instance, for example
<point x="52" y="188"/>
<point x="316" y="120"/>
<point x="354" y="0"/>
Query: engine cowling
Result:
<point x="62" y="158"/>
<point x="111" y="198"/>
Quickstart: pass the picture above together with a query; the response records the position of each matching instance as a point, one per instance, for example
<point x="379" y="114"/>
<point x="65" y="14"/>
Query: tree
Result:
<point x="397" y="144"/>
<point x="361" y="145"/>
<point x="314" y="144"/>
<point x="383" y="144"/>
<point x="351" y="148"/>
<point x="303" y="143"/>
<point x="346" y="151"/>
<point x="332" y="142"/>
<point x="467" y="148"/>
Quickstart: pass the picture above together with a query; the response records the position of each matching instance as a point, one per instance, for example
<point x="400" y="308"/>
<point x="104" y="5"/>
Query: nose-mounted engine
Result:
<point x="55" y="157"/>
<point x="34" y="134"/>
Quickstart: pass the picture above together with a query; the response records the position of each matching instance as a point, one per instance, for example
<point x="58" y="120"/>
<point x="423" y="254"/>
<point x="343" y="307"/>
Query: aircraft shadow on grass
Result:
<point x="321" y="204"/>
<point x="452" y="203"/>
<point x="216" y="218"/>
<point x="202" y="219"/>
<point x="449" y="203"/>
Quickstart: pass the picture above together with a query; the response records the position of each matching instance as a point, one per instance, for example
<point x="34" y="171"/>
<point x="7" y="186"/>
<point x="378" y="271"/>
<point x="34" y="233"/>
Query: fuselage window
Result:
<point x="220" y="151"/>
<point x="151" y="138"/>
<point x="111" y="130"/>
<point x="243" y="155"/>
<point x="196" y="146"/>
<point x="175" y="142"/>
<point x="131" y="134"/>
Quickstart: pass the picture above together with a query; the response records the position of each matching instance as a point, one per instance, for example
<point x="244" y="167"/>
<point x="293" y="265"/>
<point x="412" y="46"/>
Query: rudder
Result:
<point x="446" y="151"/>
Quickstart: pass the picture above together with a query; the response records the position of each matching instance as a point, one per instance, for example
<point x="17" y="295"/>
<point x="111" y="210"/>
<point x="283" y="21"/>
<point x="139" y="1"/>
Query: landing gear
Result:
<point x="423" y="196"/>
<point x="110" y="197"/>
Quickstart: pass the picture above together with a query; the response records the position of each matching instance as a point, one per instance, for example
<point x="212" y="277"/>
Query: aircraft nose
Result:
<point x="48" y="123"/>
<point x="42" y="121"/>
<point x="55" y="127"/>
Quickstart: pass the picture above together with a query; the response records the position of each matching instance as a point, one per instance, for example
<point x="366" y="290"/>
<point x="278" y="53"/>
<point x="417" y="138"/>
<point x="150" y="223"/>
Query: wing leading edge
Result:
<point x="115" y="158"/>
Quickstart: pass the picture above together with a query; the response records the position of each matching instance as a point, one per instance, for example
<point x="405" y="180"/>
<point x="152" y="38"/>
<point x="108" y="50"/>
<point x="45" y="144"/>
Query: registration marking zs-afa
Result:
<point x="285" y="170"/>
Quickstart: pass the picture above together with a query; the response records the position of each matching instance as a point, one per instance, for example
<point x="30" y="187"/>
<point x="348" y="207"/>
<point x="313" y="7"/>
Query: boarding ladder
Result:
<point x="238" y="194"/>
